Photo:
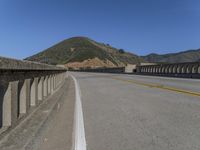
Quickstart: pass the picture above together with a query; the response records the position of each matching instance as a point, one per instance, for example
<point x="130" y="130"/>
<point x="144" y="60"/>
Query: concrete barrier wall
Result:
<point x="13" y="64"/>
<point x="104" y="70"/>
<point x="187" y="70"/>
<point x="23" y="86"/>
<point x="184" y="70"/>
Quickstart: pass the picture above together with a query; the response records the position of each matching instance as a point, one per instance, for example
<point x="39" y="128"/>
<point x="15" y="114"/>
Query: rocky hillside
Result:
<point x="185" y="56"/>
<point x="84" y="52"/>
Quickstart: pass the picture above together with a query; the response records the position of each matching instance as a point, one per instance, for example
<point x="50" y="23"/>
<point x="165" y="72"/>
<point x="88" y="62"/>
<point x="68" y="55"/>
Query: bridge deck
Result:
<point x="120" y="112"/>
<point x="131" y="112"/>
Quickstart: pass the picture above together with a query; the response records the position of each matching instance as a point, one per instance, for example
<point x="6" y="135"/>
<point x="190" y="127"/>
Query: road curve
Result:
<point x="124" y="115"/>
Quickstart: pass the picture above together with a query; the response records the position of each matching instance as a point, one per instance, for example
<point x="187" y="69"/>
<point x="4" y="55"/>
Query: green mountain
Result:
<point x="80" y="49"/>
<point x="185" y="56"/>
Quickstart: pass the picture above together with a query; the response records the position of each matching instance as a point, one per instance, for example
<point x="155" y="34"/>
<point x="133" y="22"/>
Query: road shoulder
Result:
<point x="56" y="132"/>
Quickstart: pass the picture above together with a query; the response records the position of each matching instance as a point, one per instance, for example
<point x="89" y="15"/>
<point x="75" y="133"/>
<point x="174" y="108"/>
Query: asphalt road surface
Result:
<point x="127" y="112"/>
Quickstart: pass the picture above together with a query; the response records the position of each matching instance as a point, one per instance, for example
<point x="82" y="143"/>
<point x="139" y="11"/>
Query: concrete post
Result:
<point x="58" y="80"/>
<point x="149" y="70"/>
<point x="157" y="69"/>
<point x="52" y="84"/>
<point x="54" y="81"/>
<point x="45" y="86"/>
<point x="160" y="69"/>
<point x="41" y="88"/>
<point x="188" y="69"/>
<point x="170" y="69"/>
<point x="183" y="69"/>
<point x="154" y="69"/>
<point x="49" y="85"/>
<point x="34" y="92"/>
<point x="166" y="69"/>
<point x="6" y="109"/>
<point x="24" y="99"/>
<point x="194" y="69"/>
<point x="144" y="69"/>
<point x="174" y="69"/>
<point x="10" y="105"/>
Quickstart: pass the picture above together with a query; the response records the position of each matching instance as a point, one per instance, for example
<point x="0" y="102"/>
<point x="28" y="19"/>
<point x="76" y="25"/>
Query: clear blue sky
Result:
<point x="139" y="26"/>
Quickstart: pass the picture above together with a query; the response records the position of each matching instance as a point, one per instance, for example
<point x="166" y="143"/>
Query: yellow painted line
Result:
<point x="159" y="87"/>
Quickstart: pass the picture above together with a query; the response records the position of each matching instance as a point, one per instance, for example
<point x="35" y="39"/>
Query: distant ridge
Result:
<point x="84" y="52"/>
<point x="184" y="56"/>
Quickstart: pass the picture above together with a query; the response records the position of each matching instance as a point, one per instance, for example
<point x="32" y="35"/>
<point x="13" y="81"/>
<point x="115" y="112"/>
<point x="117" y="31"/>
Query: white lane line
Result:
<point x="79" y="130"/>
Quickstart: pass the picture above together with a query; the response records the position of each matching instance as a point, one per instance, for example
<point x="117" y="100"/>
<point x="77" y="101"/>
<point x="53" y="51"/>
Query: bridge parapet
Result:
<point x="103" y="70"/>
<point x="23" y="86"/>
<point x="191" y="69"/>
<point x="13" y="64"/>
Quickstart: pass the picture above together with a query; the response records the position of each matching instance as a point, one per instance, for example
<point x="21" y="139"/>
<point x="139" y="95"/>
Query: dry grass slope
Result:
<point x="82" y="50"/>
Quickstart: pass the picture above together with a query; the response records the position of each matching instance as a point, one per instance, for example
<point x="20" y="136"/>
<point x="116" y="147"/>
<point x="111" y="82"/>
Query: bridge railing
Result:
<point x="191" y="70"/>
<point x="103" y="70"/>
<point x="23" y="86"/>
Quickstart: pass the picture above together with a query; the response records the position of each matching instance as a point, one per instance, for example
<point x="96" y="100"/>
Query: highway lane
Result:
<point x="122" y="115"/>
<point x="180" y="83"/>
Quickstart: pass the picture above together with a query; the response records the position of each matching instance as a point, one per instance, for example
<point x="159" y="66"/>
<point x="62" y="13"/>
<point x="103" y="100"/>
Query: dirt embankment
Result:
<point x="91" y="63"/>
